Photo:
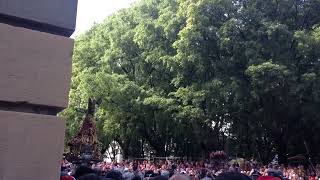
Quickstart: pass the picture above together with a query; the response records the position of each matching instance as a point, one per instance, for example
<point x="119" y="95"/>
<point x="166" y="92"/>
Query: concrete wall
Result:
<point x="35" y="67"/>
<point x="31" y="146"/>
<point x="54" y="16"/>
<point x="35" y="72"/>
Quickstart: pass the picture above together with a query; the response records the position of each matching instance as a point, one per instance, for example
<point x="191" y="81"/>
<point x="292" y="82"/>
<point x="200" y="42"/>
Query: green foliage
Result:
<point x="188" y="77"/>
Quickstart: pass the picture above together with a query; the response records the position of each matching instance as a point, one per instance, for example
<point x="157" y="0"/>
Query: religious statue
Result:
<point x="84" y="147"/>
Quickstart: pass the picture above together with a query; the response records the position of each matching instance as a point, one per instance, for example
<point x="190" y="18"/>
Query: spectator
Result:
<point x="83" y="170"/>
<point x="180" y="177"/>
<point x="115" y="175"/>
<point x="232" y="176"/>
<point x="91" y="177"/>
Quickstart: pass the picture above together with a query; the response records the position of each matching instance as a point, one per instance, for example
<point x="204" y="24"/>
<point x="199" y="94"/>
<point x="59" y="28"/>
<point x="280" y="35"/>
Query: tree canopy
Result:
<point x="186" y="77"/>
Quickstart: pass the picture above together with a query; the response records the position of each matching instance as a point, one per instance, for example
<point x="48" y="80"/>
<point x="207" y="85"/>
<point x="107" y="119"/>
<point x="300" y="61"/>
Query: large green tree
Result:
<point x="183" y="78"/>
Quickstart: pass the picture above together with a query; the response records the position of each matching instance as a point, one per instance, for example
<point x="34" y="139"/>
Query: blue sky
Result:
<point x="90" y="11"/>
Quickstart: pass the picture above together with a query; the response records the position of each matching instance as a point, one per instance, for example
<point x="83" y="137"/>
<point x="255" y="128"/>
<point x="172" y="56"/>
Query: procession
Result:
<point x="197" y="170"/>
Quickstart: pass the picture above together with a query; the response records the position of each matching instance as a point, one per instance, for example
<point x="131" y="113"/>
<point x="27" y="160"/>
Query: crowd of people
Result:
<point x="200" y="170"/>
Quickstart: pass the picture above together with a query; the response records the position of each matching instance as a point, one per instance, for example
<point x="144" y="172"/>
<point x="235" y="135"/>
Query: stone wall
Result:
<point x="35" y="72"/>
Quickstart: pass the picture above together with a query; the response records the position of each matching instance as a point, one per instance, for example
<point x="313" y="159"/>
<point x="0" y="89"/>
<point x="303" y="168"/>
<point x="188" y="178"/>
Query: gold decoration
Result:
<point x="86" y="138"/>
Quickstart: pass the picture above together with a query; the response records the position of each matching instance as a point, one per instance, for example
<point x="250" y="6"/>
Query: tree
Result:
<point x="188" y="77"/>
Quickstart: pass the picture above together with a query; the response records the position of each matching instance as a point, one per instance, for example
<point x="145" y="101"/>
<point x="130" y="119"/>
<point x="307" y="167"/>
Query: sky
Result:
<point x="91" y="11"/>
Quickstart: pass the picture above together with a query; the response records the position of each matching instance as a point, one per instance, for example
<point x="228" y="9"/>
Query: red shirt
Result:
<point x="268" y="178"/>
<point x="312" y="178"/>
<point x="67" y="178"/>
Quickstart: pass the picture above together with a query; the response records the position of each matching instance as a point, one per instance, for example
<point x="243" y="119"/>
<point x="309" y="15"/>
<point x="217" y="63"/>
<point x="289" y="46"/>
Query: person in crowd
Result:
<point x="92" y="177"/>
<point x="232" y="168"/>
<point x="164" y="171"/>
<point x="136" y="171"/>
<point x="149" y="173"/>
<point x="172" y="170"/>
<point x="254" y="173"/>
<point x="64" y="174"/>
<point x="115" y="175"/>
<point x="127" y="174"/>
<point x="81" y="171"/>
<point x="136" y="178"/>
<point x="232" y="176"/>
<point x="197" y="170"/>
<point x="312" y="176"/>
<point x="180" y="177"/>
<point x="270" y="171"/>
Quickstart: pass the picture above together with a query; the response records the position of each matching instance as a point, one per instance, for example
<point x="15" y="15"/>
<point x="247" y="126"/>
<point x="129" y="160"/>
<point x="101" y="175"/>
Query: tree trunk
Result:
<point x="281" y="147"/>
<point x="125" y="150"/>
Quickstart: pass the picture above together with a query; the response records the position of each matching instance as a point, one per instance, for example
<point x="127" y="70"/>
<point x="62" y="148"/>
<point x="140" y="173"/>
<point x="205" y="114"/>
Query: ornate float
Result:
<point x="85" y="149"/>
